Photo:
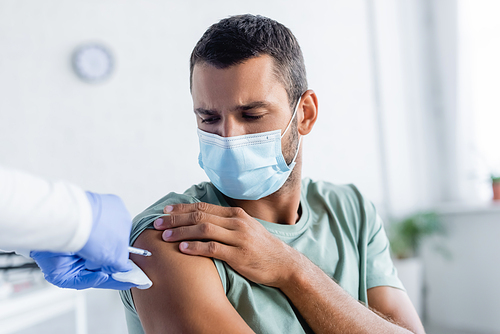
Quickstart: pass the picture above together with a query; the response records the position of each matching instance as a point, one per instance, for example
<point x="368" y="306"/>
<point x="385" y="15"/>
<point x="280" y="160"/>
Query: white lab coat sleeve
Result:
<point x="36" y="214"/>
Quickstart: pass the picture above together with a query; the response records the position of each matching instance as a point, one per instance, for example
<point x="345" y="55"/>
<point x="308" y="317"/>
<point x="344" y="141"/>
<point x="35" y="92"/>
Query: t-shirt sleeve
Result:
<point x="380" y="270"/>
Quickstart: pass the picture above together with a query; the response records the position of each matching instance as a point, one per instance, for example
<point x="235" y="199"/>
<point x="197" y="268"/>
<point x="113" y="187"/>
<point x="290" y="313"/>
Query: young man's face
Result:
<point x="242" y="99"/>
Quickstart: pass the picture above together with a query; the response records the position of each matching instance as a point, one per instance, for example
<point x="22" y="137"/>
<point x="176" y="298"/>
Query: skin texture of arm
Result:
<point x="252" y="251"/>
<point x="327" y="308"/>
<point x="187" y="295"/>
<point x="395" y="305"/>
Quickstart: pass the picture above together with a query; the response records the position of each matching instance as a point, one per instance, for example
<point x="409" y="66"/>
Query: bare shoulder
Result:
<point x="187" y="294"/>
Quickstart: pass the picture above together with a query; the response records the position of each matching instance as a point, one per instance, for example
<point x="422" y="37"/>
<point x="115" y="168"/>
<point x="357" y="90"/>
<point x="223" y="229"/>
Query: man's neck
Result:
<point x="282" y="207"/>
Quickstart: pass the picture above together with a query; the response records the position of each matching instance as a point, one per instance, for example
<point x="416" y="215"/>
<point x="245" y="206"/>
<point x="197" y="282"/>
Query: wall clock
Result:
<point x="92" y="62"/>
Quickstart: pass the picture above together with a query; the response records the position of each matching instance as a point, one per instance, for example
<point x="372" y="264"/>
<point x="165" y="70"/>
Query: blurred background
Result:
<point x="96" y="92"/>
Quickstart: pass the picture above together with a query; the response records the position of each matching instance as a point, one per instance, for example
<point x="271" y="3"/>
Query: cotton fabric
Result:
<point x="339" y="230"/>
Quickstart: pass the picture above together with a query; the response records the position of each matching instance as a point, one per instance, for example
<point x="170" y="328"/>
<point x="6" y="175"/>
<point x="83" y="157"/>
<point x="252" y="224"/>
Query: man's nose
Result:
<point x="231" y="127"/>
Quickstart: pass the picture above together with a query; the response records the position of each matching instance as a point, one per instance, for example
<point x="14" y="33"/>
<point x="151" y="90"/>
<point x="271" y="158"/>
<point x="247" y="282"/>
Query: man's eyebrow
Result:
<point x="252" y="105"/>
<point x="207" y="112"/>
<point x="243" y="107"/>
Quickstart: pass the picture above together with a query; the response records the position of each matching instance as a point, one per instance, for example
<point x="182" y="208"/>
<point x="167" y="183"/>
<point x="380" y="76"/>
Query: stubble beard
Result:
<point x="289" y="152"/>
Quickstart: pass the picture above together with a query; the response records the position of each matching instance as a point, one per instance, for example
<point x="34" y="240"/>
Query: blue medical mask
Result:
<point x="247" y="167"/>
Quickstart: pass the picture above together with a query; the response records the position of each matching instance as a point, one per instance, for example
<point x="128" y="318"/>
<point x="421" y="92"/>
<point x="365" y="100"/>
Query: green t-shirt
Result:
<point x="339" y="231"/>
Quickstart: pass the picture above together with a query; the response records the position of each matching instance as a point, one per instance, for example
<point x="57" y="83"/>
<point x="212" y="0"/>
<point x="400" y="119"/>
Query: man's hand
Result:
<point x="232" y="236"/>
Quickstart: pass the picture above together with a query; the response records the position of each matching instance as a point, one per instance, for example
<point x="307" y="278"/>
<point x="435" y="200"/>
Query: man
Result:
<point x="281" y="240"/>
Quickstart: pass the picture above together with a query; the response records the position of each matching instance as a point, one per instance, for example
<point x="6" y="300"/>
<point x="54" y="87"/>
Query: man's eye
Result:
<point x="253" y="117"/>
<point x="209" y="120"/>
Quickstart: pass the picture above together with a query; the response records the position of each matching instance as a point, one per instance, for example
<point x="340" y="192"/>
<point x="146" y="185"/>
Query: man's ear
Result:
<point x="308" y="112"/>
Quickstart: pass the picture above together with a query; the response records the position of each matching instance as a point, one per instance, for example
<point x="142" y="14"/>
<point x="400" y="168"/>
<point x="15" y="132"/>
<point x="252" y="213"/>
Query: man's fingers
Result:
<point x="201" y="207"/>
<point x="208" y="249"/>
<point x="205" y="231"/>
<point x="194" y="218"/>
<point x="198" y="213"/>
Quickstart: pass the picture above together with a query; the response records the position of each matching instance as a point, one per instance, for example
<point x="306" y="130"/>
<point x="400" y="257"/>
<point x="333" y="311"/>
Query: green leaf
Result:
<point x="495" y="178"/>
<point x="406" y="235"/>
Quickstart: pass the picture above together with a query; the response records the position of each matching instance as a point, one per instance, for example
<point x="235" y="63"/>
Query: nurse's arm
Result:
<point x="187" y="295"/>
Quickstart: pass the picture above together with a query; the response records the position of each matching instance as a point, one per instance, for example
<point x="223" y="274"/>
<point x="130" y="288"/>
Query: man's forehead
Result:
<point x="250" y="81"/>
<point x="261" y="66"/>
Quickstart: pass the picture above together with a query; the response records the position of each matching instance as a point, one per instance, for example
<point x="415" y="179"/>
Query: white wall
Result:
<point x="134" y="134"/>
<point x="415" y="57"/>
<point x="462" y="290"/>
<point x="398" y="134"/>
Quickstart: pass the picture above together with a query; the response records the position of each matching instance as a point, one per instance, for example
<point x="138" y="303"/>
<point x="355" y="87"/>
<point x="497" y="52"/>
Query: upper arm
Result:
<point x="395" y="305"/>
<point x="187" y="293"/>
<point x="385" y="291"/>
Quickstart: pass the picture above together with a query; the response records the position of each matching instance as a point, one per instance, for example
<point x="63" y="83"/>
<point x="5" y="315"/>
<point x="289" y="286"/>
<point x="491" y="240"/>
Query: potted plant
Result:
<point x="405" y="237"/>
<point x="407" y="234"/>
<point x="495" y="183"/>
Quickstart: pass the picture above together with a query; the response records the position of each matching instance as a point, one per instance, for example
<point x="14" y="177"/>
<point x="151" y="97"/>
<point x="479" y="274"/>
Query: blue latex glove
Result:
<point x="107" y="247"/>
<point x="68" y="270"/>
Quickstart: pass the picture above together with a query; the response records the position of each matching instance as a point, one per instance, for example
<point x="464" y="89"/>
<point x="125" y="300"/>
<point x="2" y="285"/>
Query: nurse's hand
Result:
<point x="107" y="246"/>
<point x="67" y="270"/>
<point x="231" y="235"/>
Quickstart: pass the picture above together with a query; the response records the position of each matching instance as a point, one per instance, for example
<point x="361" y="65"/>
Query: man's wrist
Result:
<point x="297" y="272"/>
